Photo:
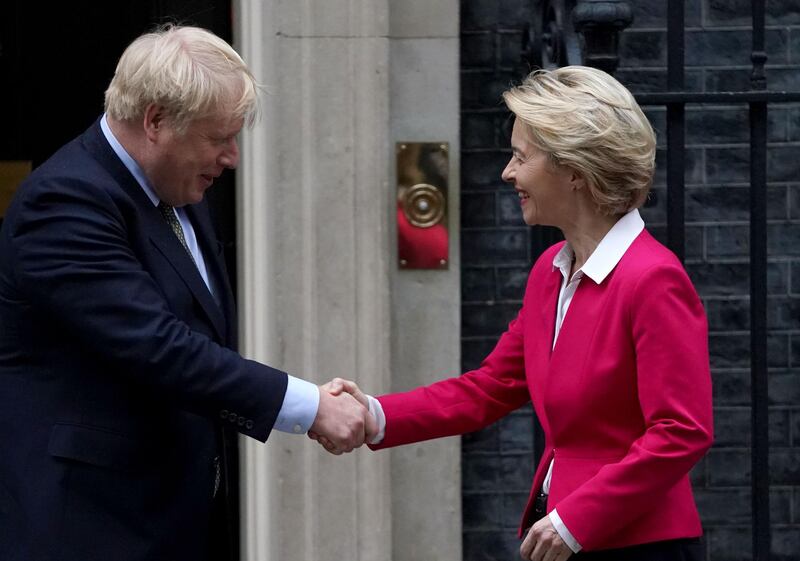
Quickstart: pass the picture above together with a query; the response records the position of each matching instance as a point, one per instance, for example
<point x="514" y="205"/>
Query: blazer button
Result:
<point x="241" y="421"/>
<point x="233" y="417"/>
<point x="223" y="414"/>
<point x="248" y="425"/>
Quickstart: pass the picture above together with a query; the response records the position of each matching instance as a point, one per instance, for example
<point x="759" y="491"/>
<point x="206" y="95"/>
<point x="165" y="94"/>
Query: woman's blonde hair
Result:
<point x="190" y="71"/>
<point x="586" y="120"/>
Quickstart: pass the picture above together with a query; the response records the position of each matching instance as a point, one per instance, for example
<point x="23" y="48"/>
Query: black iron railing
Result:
<point x="757" y="99"/>
<point x="554" y="46"/>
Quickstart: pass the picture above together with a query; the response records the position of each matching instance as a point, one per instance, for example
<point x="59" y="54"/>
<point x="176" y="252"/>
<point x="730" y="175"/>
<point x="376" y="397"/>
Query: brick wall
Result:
<point x="497" y="463"/>
<point x="497" y="250"/>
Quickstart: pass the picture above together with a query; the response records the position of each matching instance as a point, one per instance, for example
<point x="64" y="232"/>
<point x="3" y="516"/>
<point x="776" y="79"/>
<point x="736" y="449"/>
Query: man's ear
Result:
<point x="154" y="120"/>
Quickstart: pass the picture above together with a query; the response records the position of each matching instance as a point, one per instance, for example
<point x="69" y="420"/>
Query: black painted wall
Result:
<point x="497" y="252"/>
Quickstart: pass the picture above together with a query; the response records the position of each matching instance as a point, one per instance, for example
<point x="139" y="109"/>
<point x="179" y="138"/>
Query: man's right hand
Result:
<point x="342" y="421"/>
<point x="339" y="385"/>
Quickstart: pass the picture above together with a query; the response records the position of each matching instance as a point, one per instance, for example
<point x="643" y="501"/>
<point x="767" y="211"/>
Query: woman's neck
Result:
<point x="585" y="233"/>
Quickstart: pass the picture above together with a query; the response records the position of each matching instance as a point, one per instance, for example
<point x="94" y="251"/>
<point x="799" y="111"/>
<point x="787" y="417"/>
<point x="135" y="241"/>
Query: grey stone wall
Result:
<point x="497" y="247"/>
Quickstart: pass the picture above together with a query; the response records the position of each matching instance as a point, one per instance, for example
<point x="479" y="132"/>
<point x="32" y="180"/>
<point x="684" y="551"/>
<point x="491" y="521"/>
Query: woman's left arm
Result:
<point x="670" y="335"/>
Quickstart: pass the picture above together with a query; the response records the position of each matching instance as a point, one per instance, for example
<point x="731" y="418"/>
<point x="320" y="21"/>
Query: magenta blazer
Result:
<point x="624" y="398"/>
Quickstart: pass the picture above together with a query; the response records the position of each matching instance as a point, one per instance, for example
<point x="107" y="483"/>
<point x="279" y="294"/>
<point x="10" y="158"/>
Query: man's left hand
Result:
<point x="544" y="544"/>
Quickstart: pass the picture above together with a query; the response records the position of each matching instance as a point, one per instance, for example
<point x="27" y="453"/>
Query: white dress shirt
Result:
<point x="601" y="262"/>
<point x="300" y="404"/>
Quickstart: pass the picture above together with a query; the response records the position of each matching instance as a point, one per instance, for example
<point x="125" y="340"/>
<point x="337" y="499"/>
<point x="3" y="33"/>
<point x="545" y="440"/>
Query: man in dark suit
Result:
<point x="120" y="387"/>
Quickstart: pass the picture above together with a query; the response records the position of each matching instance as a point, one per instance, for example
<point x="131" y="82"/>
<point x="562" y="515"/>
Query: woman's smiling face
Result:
<point x="543" y="187"/>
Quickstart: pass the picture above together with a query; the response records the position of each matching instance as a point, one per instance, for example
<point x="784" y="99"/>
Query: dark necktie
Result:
<point x="172" y="219"/>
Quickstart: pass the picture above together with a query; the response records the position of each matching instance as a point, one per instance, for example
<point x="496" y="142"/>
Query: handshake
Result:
<point x="343" y="420"/>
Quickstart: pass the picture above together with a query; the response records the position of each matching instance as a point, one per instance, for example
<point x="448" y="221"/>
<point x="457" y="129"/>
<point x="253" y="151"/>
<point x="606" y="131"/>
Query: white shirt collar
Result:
<point x="608" y="252"/>
<point x="128" y="161"/>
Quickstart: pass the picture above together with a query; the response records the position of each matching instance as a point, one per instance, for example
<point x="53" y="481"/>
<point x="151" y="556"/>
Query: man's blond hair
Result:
<point x="189" y="71"/>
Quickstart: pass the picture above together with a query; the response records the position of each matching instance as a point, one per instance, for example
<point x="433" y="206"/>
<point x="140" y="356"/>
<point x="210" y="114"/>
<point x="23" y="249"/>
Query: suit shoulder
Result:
<point x="69" y="184"/>
<point x="74" y="173"/>
<point x="74" y="160"/>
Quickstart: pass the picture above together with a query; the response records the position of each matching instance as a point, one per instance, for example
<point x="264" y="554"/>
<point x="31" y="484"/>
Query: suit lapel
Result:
<point x="165" y="239"/>
<point x="168" y="244"/>
<point x="215" y="264"/>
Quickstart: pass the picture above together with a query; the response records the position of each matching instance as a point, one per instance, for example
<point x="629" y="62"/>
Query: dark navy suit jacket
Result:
<point x="117" y="370"/>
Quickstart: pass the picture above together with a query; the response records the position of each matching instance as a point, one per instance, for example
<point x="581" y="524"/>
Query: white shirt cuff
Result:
<point x="299" y="407"/>
<point x="376" y="410"/>
<point x="562" y="530"/>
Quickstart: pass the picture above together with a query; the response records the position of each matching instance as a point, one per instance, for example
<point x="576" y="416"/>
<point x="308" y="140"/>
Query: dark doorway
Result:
<point x="55" y="64"/>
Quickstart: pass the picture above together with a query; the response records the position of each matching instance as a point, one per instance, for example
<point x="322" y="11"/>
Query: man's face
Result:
<point x="185" y="165"/>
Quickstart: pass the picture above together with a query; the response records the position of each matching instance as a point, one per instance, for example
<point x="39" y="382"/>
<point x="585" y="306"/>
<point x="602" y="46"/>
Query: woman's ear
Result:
<point x="576" y="180"/>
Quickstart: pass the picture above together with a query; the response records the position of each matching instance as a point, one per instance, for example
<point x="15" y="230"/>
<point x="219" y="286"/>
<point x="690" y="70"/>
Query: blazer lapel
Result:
<point x="540" y="343"/>
<point x="548" y="309"/>
<point x="582" y="319"/>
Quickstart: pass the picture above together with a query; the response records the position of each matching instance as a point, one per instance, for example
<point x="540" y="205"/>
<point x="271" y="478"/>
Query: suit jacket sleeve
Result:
<point x="674" y="388"/>
<point x="463" y="404"/>
<point x="73" y="257"/>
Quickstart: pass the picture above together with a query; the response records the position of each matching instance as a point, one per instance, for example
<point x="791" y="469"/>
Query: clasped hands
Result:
<point x="343" y="419"/>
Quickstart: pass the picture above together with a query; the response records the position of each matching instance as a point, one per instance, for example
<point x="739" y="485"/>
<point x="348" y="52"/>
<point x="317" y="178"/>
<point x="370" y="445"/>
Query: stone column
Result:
<point x="317" y="280"/>
<point x="314" y="278"/>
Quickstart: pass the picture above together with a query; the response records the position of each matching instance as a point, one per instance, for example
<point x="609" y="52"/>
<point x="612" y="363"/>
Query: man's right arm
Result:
<point x="69" y="239"/>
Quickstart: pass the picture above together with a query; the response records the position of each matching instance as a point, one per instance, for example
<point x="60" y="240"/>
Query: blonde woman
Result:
<point x="610" y="343"/>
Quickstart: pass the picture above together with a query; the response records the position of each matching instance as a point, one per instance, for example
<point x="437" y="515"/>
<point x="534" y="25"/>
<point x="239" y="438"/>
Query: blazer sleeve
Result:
<point x="74" y="263"/>
<point x="670" y="335"/>
<point x="462" y="404"/>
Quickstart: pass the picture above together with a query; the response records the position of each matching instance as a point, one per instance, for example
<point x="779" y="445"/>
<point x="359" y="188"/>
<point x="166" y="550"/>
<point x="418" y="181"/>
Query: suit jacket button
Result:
<point x="233" y="417"/>
<point x="248" y="425"/>
<point x="223" y="414"/>
<point x="241" y="421"/>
